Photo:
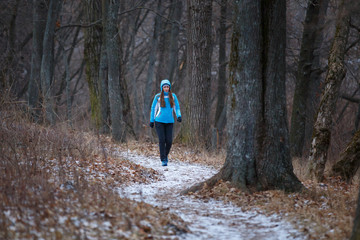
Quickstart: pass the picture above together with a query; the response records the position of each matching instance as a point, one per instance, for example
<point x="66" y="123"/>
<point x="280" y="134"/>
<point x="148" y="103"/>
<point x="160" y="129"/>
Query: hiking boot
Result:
<point x="164" y="163"/>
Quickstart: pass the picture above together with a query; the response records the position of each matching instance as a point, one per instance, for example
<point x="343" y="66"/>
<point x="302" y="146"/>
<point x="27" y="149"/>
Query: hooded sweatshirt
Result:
<point x="164" y="114"/>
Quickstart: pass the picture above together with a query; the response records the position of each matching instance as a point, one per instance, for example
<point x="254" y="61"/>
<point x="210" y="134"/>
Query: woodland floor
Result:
<point x="61" y="184"/>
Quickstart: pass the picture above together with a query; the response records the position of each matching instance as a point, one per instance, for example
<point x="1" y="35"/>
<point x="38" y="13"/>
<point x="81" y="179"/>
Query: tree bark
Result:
<point x="258" y="155"/>
<point x="199" y="69"/>
<point x="356" y="228"/>
<point x="6" y="74"/>
<point x="103" y="75"/>
<point x="221" y="91"/>
<point x="115" y="73"/>
<point x="308" y="76"/>
<point x="92" y="53"/>
<point x="175" y="16"/>
<point x="68" y="95"/>
<point x="163" y="48"/>
<point x="39" y="24"/>
<point x="349" y="161"/>
<point x="104" y="95"/>
<point x="335" y="75"/>
<point x="150" y="81"/>
<point x="47" y="61"/>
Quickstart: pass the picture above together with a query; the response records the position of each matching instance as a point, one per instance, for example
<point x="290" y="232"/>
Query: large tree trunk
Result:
<point x="220" y="120"/>
<point x="115" y="73"/>
<point x="47" y="62"/>
<point x="258" y="155"/>
<point x="39" y="24"/>
<point x="199" y="69"/>
<point x="92" y="53"/>
<point x="349" y="161"/>
<point x="308" y="76"/>
<point x="336" y="73"/>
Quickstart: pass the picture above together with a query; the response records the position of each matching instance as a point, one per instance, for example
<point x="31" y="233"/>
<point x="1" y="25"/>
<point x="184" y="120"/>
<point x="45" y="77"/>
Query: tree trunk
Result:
<point x="221" y="91"/>
<point x="308" y="76"/>
<point x="114" y="73"/>
<point x="199" y="69"/>
<point x="6" y="74"/>
<point x="39" y="24"/>
<point x="134" y="21"/>
<point x="103" y="75"/>
<point x="104" y="95"/>
<point x="149" y="89"/>
<point x="126" y="110"/>
<point x="357" y="120"/>
<point x="72" y="47"/>
<point x="68" y="95"/>
<point x="335" y="75"/>
<point x="175" y="16"/>
<point x="163" y="47"/>
<point x="258" y="155"/>
<point x="47" y="62"/>
<point x="349" y="161"/>
<point x="356" y="228"/>
<point x="92" y="53"/>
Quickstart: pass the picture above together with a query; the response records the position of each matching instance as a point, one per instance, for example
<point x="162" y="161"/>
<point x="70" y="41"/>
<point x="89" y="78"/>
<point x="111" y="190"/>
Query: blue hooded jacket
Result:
<point x="164" y="114"/>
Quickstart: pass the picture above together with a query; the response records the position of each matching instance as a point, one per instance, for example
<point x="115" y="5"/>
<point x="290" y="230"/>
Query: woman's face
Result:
<point x="166" y="88"/>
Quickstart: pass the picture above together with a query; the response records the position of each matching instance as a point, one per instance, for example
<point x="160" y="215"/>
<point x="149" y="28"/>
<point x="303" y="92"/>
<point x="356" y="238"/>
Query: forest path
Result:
<point x="207" y="219"/>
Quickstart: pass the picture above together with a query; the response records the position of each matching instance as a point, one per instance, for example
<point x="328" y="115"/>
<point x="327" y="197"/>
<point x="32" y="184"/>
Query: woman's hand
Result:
<point x="151" y="124"/>
<point x="179" y="119"/>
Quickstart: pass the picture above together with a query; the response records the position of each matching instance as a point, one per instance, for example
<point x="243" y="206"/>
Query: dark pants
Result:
<point x="164" y="132"/>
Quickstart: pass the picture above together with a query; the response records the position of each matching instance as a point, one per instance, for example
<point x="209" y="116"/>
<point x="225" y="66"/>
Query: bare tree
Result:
<point x="39" y="24"/>
<point x="308" y="76"/>
<point x="220" y="114"/>
<point x="47" y="61"/>
<point x="335" y="75"/>
<point x="92" y="53"/>
<point x="6" y="77"/>
<point x="103" y="74"/>
<point x="175" y="16"/>
<point x="199" y="70"/>
<point x="113" y="47"/>
<point x="151" y="67"/>
<point x="258" y="155"/>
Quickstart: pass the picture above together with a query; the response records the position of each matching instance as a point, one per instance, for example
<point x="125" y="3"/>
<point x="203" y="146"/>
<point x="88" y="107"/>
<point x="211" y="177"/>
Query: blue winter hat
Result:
<point x="164" y="82"/>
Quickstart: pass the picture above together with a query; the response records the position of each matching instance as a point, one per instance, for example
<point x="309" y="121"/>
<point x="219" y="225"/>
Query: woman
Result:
<point x="162" y="108"/>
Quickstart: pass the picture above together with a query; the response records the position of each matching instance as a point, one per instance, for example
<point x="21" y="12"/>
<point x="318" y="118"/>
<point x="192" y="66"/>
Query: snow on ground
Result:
<point x="207" y="219"/>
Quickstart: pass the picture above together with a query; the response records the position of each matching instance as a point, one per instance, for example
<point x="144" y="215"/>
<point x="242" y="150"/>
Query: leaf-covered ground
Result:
<point x="62" y="184"/>
<point x="325" y="211"/>
<point x="206" y="218"/>
<point x="59" y="184"/>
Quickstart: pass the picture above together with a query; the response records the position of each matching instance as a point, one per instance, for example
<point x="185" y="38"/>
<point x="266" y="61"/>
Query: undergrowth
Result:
<point x="57" y="183"/>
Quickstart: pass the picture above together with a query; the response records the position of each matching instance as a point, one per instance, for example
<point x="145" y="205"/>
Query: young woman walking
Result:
<point x="162" y="108"/>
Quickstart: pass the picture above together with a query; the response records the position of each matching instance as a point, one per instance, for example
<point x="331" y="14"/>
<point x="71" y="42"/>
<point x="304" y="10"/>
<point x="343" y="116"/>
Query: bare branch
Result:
<point x="350" y="98"/>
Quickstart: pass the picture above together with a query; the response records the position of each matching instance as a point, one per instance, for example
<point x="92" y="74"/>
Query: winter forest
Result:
<point x="269" y="142"/>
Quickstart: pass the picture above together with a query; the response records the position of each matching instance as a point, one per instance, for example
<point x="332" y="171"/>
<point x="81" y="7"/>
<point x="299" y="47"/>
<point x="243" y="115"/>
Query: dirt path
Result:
<point x="207" y="219"/>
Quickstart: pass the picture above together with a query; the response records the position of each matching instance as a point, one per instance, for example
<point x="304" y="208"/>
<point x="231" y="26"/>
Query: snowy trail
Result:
<point x="207" y="219"/>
